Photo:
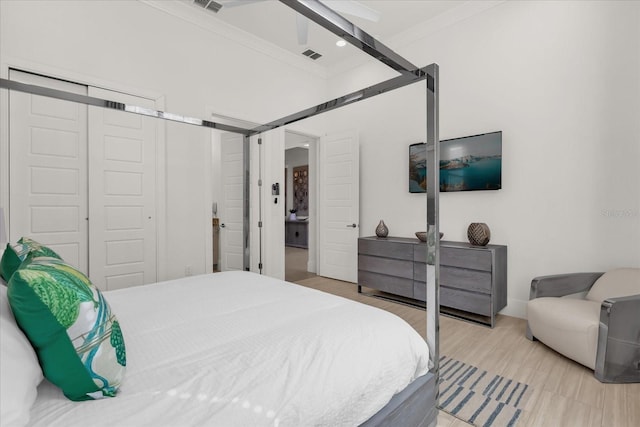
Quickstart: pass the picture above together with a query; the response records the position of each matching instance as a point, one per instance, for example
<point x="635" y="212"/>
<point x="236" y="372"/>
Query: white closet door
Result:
<point x="48" y="169"/>
<point x="231" y="211"/>
<point x="122" y="210"/>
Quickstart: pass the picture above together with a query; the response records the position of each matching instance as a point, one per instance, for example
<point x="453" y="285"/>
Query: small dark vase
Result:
<point x="478" y="234"/>
<point x="382" y="230"/>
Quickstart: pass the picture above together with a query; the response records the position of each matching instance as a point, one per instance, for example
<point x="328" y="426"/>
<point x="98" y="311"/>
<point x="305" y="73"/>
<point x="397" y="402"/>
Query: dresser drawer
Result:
<point x="420" y="291"/>
<point x="420" y="252"/>
<point x="461" y="278"/>
<point x="473" y="259"/>
<point x="386" y="248"/>
<point x="388" y="266"/>
<point x="420" y="271"/>
<point x="393" y="285"/>
<point x="467" y="301"/>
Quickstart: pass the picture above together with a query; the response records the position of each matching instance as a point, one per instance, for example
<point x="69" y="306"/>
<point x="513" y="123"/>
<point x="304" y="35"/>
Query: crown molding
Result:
<point x="421" y="31"/>
<point x="444" y="20"/>
<point x="182" y="9"/>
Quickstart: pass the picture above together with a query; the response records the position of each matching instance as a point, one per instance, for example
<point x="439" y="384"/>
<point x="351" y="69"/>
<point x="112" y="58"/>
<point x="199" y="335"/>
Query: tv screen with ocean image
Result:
<point x="466" y="164"/>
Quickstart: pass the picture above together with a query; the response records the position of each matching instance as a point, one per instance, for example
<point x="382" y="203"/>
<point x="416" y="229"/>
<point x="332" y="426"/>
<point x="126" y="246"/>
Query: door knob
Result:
<point x="222" y="225"/>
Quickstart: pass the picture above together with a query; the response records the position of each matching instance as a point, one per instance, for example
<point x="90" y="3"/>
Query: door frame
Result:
<point x="314" y="189"/>
<point x="71" y="76"/>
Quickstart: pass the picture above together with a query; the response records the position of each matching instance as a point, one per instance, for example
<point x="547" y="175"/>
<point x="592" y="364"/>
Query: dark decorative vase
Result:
<point x="382" y="230"/>
<point x="478" y="234"/>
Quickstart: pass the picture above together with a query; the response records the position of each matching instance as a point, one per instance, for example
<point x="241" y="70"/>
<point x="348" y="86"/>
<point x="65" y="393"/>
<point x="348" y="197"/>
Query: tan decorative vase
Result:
<point x="478" y="234"/>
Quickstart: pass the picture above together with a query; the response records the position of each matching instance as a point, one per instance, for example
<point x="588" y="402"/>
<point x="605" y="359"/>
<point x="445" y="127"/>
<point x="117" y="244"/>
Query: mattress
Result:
<point x="241" y="349"/>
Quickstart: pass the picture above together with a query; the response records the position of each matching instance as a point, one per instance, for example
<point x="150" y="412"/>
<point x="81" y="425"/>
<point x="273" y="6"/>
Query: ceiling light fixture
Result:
<point x="341" y="43"/>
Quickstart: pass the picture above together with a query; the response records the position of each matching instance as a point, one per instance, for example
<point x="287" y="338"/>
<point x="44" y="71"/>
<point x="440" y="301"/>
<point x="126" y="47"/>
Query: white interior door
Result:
<point x="339" y="206"/>
<point x="48" y="169"/>
<point x="231" y="212"/>
<point x="122" y="185"/>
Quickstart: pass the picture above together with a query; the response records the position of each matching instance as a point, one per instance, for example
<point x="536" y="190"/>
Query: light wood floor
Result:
<point x="565" y="393"/>
<point x="295" y="266"/>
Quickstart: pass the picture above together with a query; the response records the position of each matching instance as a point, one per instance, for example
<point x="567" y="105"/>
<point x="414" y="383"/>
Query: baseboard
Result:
<point x="515" y="308"/>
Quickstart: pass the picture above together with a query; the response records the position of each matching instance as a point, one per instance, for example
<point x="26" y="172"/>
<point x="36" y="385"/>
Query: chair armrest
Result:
<point x="618" y="355"/>
<point x="562" y="284"/>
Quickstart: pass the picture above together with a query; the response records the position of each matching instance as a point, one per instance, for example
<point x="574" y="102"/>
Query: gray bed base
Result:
<point x="415" y="406"/>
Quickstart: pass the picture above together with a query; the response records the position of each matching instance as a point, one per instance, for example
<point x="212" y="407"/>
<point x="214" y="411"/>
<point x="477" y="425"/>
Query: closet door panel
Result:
<point x="122" y="216"/>
<point x="48" y="169"/>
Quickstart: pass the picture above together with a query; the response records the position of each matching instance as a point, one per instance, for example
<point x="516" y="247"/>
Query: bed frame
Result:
<point x="413" y="406"/>
<point x="416" y="405"/>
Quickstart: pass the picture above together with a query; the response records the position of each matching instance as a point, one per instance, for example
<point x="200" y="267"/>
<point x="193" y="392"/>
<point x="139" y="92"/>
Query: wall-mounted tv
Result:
<point x="466" y="164"/>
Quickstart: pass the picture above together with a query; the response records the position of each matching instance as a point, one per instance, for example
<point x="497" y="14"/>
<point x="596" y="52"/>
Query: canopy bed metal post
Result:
<point x="433" y="219"/>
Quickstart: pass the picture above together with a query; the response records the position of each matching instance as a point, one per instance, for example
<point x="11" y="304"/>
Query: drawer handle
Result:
<point x="352" y="226"/>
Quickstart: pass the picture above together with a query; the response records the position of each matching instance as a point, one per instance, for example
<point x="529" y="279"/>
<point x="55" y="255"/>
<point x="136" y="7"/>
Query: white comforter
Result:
<point x="240" y="349"/>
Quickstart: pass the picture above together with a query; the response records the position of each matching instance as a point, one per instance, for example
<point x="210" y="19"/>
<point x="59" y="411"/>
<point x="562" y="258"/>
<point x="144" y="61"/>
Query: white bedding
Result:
<point x="240" y="349"/>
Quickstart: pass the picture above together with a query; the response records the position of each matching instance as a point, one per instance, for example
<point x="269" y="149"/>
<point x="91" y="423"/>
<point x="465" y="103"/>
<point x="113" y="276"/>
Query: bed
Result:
<point x="242" y="349"/>
<point x="238" y="348"/>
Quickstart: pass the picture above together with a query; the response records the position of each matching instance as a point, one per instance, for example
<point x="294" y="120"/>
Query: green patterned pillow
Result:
<point x="11" y="260"/>
<point x="38" y="249"/>
<point x="14" y="255"/>
<point x="70" y="325"/>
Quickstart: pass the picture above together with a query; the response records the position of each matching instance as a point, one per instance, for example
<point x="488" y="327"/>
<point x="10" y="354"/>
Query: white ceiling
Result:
<point x="275" y="23"/>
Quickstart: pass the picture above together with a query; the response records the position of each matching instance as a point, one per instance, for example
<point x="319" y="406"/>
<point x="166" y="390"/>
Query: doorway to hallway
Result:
<point x="296" y="260"/>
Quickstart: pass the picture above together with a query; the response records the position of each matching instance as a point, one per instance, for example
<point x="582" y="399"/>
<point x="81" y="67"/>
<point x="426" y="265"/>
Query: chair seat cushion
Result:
<point x="567" y="325"/>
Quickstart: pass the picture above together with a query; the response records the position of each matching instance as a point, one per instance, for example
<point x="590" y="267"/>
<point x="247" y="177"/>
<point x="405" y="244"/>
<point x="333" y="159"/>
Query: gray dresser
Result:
<point x="473" y="279"/>
<point x="296" y="233"/>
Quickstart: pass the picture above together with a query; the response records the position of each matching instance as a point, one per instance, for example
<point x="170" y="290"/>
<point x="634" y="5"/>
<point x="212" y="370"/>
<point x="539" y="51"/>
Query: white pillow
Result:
<point x="21" y="372"/>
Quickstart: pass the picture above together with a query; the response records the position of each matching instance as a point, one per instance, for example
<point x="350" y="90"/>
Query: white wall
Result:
<point x="134" y="47"/>
<point x="562" y="81"/>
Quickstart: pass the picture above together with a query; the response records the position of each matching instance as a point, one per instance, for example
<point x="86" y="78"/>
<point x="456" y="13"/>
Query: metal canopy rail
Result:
<point x="311" y="9"/>
<point x="359" y="95"/>
<point x="113" y="105"/>
<point x="334" y="22"/>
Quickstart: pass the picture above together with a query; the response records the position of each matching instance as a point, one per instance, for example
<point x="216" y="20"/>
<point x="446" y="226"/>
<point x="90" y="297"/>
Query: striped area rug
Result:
<point x="480" y="397"/>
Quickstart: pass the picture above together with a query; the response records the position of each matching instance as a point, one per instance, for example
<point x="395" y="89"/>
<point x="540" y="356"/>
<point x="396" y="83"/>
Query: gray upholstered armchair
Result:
<point x="600" y="330"/>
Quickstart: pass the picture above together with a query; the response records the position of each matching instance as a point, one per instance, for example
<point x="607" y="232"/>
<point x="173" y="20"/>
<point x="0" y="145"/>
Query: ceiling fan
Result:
<point x="349" y="7"/>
